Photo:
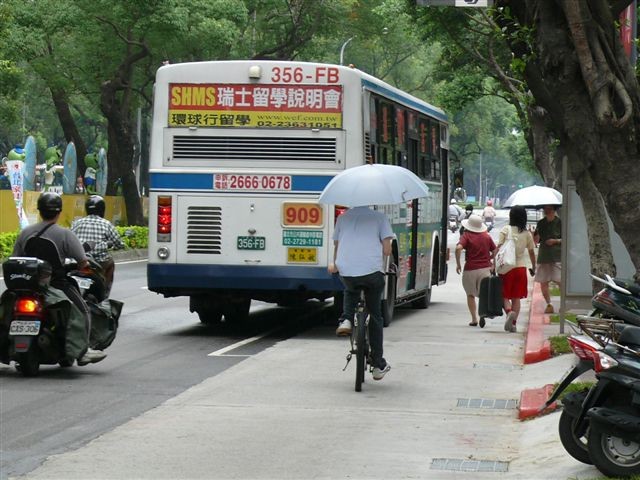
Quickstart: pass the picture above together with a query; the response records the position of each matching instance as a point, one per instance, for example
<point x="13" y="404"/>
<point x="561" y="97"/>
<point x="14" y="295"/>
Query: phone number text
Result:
<point x="252" y="182"/>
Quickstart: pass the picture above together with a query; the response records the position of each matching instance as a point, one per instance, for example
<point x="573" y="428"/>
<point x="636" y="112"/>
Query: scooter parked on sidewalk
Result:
<point x="601" y="425"/>
<point x="620" y="299"/>
<point x="35" y="321"/>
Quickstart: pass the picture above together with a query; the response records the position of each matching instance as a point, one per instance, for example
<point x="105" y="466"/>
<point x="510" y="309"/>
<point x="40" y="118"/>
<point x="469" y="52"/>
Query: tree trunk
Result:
<point x="597" y="139"/>
<point x="597" y="229"/>
<point x="542" y="148"/>
<point x="71" y="133"/>
<point x="121" y="151"/>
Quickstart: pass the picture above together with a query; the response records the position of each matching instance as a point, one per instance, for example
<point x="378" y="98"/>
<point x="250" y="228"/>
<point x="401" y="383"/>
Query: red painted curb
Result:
<point x="536" y="347"/>
<point x="532" y="400"/>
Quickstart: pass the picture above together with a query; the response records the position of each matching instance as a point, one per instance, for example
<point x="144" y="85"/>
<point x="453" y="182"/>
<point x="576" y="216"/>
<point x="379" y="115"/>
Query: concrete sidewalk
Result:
<point x="447" y="409"/>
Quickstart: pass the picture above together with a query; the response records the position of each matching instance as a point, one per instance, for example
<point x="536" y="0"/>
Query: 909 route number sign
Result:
<point x="302" y="214"/>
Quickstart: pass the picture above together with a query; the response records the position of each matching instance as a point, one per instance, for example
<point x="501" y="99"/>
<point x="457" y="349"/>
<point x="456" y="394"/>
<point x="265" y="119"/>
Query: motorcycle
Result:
<point x="489" y="224"/>
<point x="601" y="425"/>
<point x="454" y="223"/>
<point x="620" y="299"/>
<point x="36" y="325"/>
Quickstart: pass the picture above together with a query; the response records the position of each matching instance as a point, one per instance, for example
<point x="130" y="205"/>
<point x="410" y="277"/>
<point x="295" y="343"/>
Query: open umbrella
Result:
<point x="375" y="184"/>
<point x="534" y="197"/>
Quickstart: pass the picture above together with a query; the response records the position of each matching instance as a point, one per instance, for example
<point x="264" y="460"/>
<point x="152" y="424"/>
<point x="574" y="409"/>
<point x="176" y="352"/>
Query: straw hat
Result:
<point x="474" y="224"/>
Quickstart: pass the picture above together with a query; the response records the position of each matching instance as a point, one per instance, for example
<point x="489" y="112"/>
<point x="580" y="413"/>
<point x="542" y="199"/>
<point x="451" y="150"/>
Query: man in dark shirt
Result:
<point x="548" y="234"/>
<point x="68" y="246"/>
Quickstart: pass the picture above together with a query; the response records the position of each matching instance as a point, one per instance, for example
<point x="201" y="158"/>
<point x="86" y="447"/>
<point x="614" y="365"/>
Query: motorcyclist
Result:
<point x="95" y="228"/>
<point x="455" y="212"/>
<point x="468" y="211"/>
<point x="67" y="246"/>
<point x="489" y="213"/>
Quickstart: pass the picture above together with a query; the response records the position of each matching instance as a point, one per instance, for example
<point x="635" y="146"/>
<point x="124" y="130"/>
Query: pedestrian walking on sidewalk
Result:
<point x="548" y="235"/>
<point x="361" y="238"/>
<point x="479" y="251"/>
<point x="514" y="282"/>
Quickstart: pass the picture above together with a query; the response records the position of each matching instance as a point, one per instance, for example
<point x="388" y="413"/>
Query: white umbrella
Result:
<point x="373" y="185"/>
<point x="534" y="197"/>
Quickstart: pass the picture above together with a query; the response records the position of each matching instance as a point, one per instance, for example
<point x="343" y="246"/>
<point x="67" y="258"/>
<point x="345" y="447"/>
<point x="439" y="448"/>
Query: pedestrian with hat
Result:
<point x="479" y="250"/>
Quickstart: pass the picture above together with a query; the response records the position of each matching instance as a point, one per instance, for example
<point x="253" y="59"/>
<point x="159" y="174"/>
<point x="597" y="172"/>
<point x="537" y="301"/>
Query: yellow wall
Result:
<point x="72" y="208"/>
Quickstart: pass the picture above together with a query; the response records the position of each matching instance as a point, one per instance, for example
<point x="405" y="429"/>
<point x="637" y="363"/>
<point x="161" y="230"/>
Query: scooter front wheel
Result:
<point x="614" y="456"/>
<point x="576" y="447"/>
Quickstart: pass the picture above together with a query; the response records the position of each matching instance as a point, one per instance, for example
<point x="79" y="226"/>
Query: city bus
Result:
<point x="240" y="151"/>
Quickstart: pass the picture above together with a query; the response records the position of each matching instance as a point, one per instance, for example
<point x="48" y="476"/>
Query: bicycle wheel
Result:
<point x="360" y="330"/>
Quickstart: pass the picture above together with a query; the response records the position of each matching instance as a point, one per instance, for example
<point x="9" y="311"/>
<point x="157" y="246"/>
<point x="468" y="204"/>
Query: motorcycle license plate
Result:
<point x="83" y="283"/>
<point x="24" y="327"/>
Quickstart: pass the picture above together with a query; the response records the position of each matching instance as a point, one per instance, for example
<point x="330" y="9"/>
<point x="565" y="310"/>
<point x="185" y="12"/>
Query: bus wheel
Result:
<point x="209" y="316"/>
<point x="237" y="311"/>
<point x="389" y="303"/>
<point x="422" y="302"/>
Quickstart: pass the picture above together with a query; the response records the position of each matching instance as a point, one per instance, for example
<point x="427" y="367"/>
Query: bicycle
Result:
<point x="359" y="338"/>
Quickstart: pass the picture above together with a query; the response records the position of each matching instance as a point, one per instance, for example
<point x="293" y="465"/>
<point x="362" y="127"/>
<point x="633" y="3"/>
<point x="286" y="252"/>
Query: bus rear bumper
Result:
<point x="175" y="280"/>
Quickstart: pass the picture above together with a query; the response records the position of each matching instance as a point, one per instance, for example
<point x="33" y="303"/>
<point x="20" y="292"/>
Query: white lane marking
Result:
<point x="246" y="341"/>
<point x="146" y="287"/>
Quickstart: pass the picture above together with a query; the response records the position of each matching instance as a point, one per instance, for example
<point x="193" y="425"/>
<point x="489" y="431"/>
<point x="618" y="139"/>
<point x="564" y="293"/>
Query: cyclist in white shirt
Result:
<point x="361" y="238"/>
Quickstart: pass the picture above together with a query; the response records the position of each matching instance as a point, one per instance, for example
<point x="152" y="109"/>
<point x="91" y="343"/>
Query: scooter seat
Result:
<point x="630" y="285"/>
<point x="630" y="336"/>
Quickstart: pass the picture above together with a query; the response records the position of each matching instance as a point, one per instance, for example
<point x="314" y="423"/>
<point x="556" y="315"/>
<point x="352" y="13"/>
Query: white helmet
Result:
<point x="453" y="201"/>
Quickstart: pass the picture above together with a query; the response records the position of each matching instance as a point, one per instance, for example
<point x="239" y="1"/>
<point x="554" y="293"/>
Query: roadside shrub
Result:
<point x="7" y="240"/>
<point x="134" y="236"/>
<point x="559" y="345"/>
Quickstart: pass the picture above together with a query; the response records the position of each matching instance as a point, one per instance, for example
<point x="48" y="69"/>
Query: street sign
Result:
<point x="455" y="3"/>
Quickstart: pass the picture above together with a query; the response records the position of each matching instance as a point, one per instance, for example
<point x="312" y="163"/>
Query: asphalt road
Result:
<point x="160" y="351"/>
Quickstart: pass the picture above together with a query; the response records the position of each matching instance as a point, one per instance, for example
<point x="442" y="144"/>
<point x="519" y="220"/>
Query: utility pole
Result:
<point x="480" y="181"/>
<point x="344" y="45"/>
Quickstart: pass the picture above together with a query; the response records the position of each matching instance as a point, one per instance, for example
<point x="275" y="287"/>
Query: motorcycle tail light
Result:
<point x="27" y="306"/>
<point x="601" y="361"/>
<point x="582" y="350"/>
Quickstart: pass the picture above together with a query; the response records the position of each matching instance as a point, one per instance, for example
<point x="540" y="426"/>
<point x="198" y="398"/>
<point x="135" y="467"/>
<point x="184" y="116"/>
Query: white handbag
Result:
<point x="506" y="256"/>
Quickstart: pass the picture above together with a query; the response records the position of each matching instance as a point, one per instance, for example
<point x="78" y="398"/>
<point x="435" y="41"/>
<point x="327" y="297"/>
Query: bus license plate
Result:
<point x="251" y="243"/>
<point x="24" y="327"/>
<point x="302" y="255"/>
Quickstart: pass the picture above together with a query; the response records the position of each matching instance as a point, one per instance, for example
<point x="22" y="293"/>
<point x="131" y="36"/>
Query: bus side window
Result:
<point x="435" y="172"/>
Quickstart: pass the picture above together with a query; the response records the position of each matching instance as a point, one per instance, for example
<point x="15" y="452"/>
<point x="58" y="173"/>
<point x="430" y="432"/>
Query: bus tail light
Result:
<point x="338" y="210"/>
<point x="165" y="218"/>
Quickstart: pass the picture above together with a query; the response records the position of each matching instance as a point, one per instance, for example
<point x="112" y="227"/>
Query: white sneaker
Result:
<point x="344" y="328"/>
<point x="379" y="373"/>
<point x="508" y="322"/>
<point x="92" y="356"/>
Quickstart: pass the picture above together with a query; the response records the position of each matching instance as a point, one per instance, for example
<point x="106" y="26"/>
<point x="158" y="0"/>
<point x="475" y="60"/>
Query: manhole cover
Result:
<point x="498" y="366"/>
<point x="490" y="403"/>
<point x="466" y="465"/>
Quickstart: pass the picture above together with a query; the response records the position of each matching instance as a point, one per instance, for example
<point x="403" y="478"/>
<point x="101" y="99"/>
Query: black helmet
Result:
<point x="95" y="205"/>
<point x="469" y="207"/>
<point x="49" y="204"/>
